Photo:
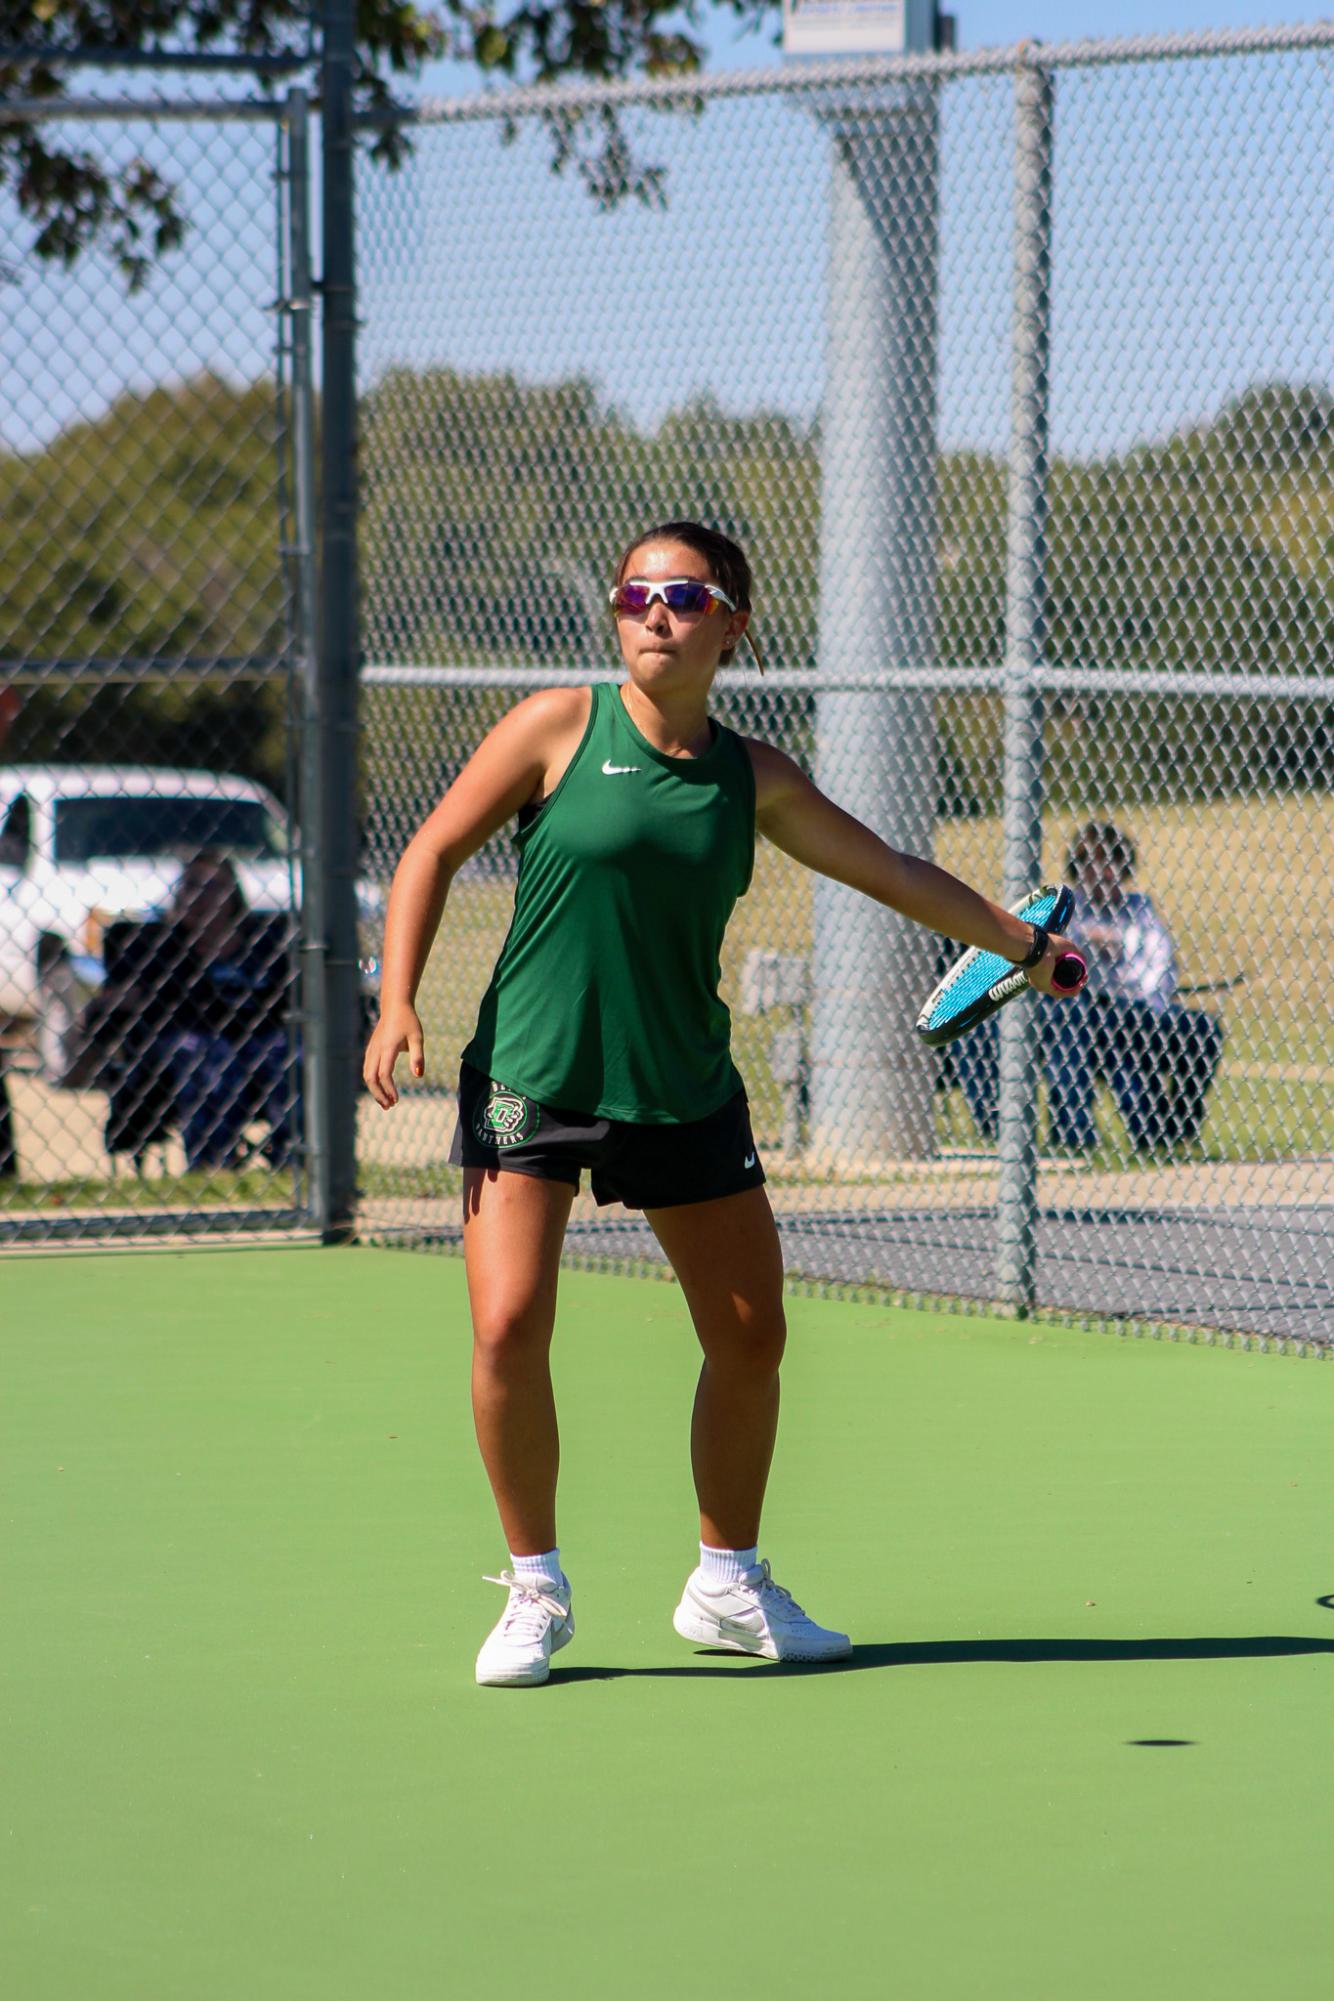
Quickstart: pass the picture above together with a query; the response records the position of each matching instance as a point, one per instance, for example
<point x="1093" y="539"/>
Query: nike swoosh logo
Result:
<point x="745" y="1628"/>
<point x="617" y="770"/>
<point x="749" y="1160"/>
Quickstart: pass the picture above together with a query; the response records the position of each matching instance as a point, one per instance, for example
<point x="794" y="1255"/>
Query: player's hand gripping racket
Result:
<point x="980" y="982"/>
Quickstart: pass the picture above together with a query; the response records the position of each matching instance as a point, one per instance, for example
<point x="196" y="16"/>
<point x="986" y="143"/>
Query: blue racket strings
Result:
<point x="981" y="974"/>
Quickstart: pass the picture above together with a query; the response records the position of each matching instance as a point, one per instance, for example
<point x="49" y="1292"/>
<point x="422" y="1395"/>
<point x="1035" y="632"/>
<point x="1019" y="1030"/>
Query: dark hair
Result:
<point x="1102" y="835"/>
<point x="213" y="865"/>
<point x="726" y="560"/>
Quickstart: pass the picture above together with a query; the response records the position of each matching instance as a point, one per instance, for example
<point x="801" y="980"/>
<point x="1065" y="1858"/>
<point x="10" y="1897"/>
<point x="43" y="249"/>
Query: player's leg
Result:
<point x="727" y="1257"/>
<point x="513" y="1229"/>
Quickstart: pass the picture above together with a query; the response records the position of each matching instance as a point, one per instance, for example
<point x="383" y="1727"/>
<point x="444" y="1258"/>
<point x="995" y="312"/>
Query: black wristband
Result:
<point x="1035" y="950"/>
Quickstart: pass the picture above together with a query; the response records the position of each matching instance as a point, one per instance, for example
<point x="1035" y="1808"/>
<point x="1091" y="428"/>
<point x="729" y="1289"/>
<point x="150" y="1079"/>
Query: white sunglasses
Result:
<point x="633" y="598"/>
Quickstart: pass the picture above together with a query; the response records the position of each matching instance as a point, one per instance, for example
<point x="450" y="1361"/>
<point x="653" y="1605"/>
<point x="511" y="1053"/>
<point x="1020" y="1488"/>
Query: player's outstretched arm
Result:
<point x="797" y="817"/>
<point x="508" y="768"/>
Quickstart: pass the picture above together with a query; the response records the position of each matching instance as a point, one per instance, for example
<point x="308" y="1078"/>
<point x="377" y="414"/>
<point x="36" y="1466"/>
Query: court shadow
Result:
<point x="952" y="1653"/>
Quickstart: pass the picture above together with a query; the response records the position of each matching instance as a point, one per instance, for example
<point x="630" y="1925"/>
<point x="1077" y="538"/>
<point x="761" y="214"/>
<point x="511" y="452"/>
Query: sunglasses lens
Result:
<point x="687" y="597"/>
<point x="632" y="598"/>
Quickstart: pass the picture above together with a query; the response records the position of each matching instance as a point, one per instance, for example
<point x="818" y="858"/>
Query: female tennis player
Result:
<point x="601" y="1043"/>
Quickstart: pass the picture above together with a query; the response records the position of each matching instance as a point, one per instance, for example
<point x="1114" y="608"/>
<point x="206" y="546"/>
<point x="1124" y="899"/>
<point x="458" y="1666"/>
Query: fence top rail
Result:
<point x="960" y="680"/>
<point x="64" y="56"/>
<point x="87" y="672"/>
<point x="864" y="71"/>
<point x="160" y="110"/>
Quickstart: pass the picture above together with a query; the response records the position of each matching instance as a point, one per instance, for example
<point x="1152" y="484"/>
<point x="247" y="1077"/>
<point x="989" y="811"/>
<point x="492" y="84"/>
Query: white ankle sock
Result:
<point x="726" y="1566"/>
<point x="545" y="1568"/>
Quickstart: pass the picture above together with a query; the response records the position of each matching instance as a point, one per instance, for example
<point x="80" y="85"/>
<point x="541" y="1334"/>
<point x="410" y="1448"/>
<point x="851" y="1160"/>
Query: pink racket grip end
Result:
<point x="1069" y="973"/>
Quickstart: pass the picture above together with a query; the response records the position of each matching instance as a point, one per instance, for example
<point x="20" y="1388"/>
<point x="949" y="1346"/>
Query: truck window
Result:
<point x="146" y="828"/>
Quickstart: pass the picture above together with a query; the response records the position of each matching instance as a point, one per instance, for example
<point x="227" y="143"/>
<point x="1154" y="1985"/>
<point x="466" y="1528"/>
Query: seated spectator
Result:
<point x="9" y="1160"/>
<point x="1157" y="1057"/>
<point x="191" y="1024"/>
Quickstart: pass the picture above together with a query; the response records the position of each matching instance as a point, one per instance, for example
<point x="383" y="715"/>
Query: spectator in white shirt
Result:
<point x="1157" y="1057"/>
<point x="9" y="1160"/>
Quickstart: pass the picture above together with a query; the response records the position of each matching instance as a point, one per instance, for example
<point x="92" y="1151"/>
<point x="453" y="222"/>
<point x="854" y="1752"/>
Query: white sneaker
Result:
<point x="753" y="1615"/>
<point x="536" y="1623"/>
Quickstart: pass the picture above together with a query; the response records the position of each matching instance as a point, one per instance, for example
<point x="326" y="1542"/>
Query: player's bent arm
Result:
<point x="511" y="765"/>
<point x="798" y="818"/>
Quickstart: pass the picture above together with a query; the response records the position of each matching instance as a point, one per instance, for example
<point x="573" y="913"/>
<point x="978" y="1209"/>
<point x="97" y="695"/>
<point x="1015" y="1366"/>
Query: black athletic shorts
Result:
<point x="643" y="1166"/>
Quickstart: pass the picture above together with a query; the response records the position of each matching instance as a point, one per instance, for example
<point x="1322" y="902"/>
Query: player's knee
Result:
<point x="506" y="1331"/>
<point x="752" y="1345"/>
<point x="774" y="1342"/>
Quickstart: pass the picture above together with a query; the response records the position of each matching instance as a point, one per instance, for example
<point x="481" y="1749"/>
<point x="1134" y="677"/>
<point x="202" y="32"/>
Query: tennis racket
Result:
<point x="980" y="982"/>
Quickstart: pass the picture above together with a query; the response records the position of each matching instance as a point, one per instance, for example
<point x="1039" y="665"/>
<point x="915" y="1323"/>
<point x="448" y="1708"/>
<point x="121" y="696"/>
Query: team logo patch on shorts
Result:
<point x="504" y="1118"/>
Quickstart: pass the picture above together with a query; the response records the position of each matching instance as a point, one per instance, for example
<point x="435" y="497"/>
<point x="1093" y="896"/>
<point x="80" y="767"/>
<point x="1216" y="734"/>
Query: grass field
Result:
<point x="1204" y="864"/>
<point x="1273" y="1098"/>
<point x="1082" y="1748"/>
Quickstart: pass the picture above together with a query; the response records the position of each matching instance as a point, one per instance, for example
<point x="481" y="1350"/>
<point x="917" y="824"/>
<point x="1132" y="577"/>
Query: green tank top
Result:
<point x="605" y="996"/>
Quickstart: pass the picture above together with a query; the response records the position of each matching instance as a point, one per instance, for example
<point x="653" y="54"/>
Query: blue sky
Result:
<point x="1186" y="269"/>
<point x="985" y="23"/>
<point x="484" y="262"/>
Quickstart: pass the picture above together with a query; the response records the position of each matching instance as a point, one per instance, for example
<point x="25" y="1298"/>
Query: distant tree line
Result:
<point x="491" y="512"/>
<point x="149" y="537"/>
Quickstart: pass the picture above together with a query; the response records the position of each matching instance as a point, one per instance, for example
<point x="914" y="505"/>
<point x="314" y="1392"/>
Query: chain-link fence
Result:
<point x="1012" y="374"/>
<point x="151" y="616"/>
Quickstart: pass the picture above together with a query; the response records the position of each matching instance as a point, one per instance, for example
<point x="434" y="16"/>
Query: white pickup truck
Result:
<point x="82" y="845"/>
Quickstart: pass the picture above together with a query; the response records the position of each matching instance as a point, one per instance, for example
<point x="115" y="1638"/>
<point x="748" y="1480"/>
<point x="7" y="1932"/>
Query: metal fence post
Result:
<point x="332" y="840"/>
<point x="870" y="1089"/>
<point x="1025" y="610"/>
<point x="299" y="307"/>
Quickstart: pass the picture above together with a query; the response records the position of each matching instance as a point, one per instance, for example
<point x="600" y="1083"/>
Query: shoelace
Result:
<point x="773" y="1596"/>
<point x="527" y="1601"/>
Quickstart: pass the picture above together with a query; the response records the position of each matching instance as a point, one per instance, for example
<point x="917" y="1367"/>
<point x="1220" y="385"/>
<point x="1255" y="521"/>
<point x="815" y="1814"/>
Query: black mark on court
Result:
<point x="1159" y="1743"/>
<point x="1327" y="1601"/>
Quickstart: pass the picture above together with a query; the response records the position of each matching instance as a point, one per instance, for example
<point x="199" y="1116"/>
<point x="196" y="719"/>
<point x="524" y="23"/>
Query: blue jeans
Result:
<point x="1158" y="1066"/>
<point x="220" y="1086"/>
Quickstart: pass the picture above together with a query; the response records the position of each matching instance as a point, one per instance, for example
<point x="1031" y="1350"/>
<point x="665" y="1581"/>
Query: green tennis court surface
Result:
<point x="244" y="1535"/>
